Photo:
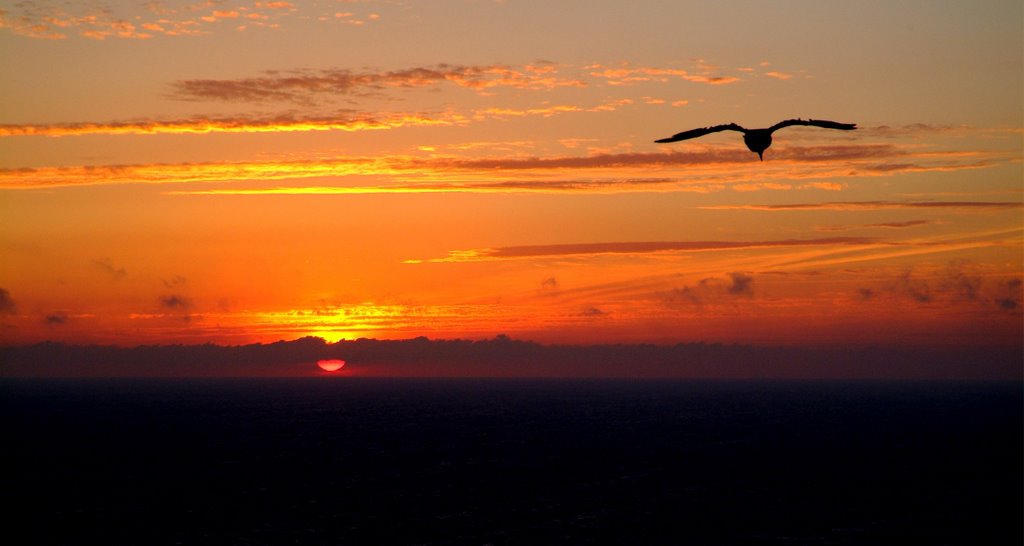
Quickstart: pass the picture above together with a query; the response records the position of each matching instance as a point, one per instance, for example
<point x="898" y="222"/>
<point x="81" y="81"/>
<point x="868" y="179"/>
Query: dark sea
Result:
<point x="334" y="461"/>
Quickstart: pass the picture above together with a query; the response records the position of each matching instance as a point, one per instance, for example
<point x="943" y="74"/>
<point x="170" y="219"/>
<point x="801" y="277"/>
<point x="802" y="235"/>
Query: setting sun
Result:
<point x="332" y="365"/>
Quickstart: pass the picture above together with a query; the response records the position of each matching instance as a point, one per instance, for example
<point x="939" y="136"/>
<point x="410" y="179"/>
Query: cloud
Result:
<point x="959" y="282"/>
<point x="711" y="289"/>
<point x="637" y="247"/>
<point x="200" y="125"/>
<point x="301" y="86"/>
<point x="625" y="74"/>
<point x="875" y="205"/>
<point x="56" y="319"/>
<point x="882" y="225"/>
<point x="7" y="305"/>
<point x="43" y="19"/>
<point x="107" y="266"/>
<point x="964" y="285"/>
<point x="549" y="110"/>
<point x="1011" y="292"/>
<point x="742" y="284"/>
<point x="916" y="289"/>
<point x="175" y="282"/>
<point x="175" y="302"/>
<point x="412" y="174"/>
<point x="348" y="121"/>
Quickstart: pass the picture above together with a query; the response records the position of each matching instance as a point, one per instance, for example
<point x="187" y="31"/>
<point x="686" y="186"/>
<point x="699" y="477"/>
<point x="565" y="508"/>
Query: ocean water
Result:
<point x="333" y="461"/>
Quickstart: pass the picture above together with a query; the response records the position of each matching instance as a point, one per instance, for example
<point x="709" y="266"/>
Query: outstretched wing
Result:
<point x="694" y="133"/>
<point x="814" y="122"/>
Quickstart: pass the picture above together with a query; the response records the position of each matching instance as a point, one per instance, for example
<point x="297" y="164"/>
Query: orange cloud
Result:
<point x="285" y="123"/>
<point x="46" y="20"/>
<point x="704" y="170"/>
<point x="875" y="205"/>
<point x="548" y="111"/>
<point x="302" y="85"/>
<point x="626" y="74"/>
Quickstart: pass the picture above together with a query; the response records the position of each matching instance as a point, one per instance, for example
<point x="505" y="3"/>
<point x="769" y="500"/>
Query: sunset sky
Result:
<point x="247" y="171"/>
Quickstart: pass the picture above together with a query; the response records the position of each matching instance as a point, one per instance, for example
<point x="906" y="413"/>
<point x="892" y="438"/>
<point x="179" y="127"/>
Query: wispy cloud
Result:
<point x="175" y="302"/>
<point x="876" y="205"/>
<point x="107" y="266"/>
<point x="633" y="247"/>
<point x="626" y="74"/>
<point x="958" y="282"/>
<point x="53" y="20"/>
<point x="738" y="285"/>
<point x="883" y="225"/>
<point x="702" y="170"/>
<point x="200" y="125"/>
<point x="301" y="86"/>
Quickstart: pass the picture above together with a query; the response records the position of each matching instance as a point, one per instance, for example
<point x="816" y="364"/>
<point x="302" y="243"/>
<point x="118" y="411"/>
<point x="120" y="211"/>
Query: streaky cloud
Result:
<point x="410" y="173"/>
<point x="883" y="225"/>
<point x="203" y="125"/>
<point x="635" y="247"/>
<point x="301" y="86"/>
<point x="875" y="205"/>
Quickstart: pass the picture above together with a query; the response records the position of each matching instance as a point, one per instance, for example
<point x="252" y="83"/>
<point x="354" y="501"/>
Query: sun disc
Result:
<point x="332" y="365"/>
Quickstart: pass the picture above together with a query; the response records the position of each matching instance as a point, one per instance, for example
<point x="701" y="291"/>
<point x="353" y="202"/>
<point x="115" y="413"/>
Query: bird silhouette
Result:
<point x="757" y="140"/>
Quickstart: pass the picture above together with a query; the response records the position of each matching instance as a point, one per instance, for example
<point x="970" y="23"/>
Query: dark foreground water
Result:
<point x="350" y="461"/>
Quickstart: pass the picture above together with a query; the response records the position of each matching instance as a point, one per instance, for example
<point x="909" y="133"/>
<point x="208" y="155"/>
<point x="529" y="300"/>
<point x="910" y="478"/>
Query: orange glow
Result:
<point x="226" y="125"/>
<point x="252" y="188"/>
<point x="332" y="365"/>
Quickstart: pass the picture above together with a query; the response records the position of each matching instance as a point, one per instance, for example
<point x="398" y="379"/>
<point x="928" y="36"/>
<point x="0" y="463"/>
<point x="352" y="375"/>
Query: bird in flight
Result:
<point x="757" y="140"/>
